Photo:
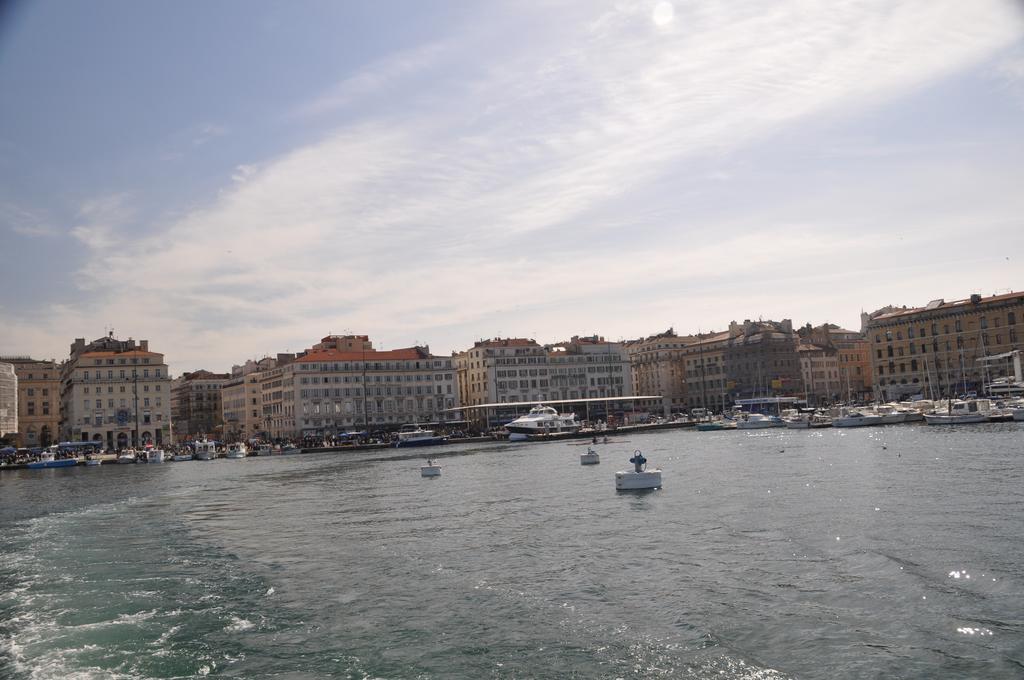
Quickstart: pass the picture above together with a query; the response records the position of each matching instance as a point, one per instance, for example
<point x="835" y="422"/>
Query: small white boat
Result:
<point x="206" y="450"/>
<point x="800" y="421"/>
<point x="590" y="457"/>
<point x="960" y="412"/>
<point x="853" y="418"/>
<point x="155" y="456"/>
<point x="92" y="462"/>
<point x="757" y="421"/>
<point x="237" y="450"/>
<point x="639" y="477"/>
<point x="264" y="450"/>
<point x="290" y="448"/>
<point x="430" y="469"/>
<point x="181" y="456"/>
<point x="126" y="458"/>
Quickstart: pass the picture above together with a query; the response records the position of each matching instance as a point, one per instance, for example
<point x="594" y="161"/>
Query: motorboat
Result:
<point x="961" y="412"/>
<point x="48" y="460"/>
<point x="543" y="420"/>
<point x="715" y="425"/>
<point x="264" y="450"/>
<point x="639" y="477"/>
<point x="797" y="421"/>
<point x="92" y="462"/>
<point x="820" y="420"/>
<point x="178" y="457"/>
<point x="414" y="435"/>
<point x="590" y="457"/>
<point x="853" y="418"/>
<point x="430" y="469"/>
<point x="205" y="450"/>
<point x="154" y="455"/>
<point x="126" y="457"/>
<point x="757" y="421"/>
<point x="290" y="448"/>
<point x="237" y="450"/>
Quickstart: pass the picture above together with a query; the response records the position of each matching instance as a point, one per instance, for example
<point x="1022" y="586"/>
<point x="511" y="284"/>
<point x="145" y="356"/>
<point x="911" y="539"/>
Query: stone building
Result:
<point x="761" y="360"/>
<point x="196" y="404"/>
<point x="38" y="400"/>
<point x="116" y="392"/>
<point x="936" y="350"/>
<point x="8" y="400"/>
<point x="502" y="370"/>
<point x="241" y="398"/>
<point x="343" y="383"/>
<point x="658" y="368"/>
<point x="704" y="372"/>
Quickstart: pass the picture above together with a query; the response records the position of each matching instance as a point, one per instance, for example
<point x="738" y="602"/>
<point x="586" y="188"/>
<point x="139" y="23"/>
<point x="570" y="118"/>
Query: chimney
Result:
<point x="144" y="345"/>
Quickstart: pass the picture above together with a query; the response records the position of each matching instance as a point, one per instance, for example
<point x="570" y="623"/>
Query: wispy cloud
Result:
<point x="537" y="189"/>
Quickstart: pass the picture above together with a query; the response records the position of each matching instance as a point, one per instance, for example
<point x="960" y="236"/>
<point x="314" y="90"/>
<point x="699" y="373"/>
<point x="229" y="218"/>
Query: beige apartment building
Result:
<point x="656" y="364"/>
<point x="936" y="350"/>
<point x="241" y="399"/>
<point x="116" y="392"/>
<point x="38" y="401"/>
<point x="502" y="370"/>
<point x="8" y="400"/>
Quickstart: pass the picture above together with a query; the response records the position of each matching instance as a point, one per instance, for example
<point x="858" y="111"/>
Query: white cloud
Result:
<point x="491" y="203"/>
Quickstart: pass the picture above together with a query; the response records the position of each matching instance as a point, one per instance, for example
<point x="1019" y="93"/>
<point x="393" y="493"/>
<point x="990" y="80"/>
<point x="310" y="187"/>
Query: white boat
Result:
<point x="91" y="462"/>
<point x="639" y="477"/>
<point x="960" y="412"/>
<point x="796" y="421"/>
<point x="237" y="450"/>
<point x="853" y="418"/>
<point x="414" y="435"/>
<point x="263" y="450"/>
<point x="205" y="450"/>
<point x="155" y="456"/>
<point x="126" y="457"/>
<point x="543" y="420"/>
<point x="181" y="456"/>
<point x="430" y="469"/>
<point x="757" y="421"/>
<point x="290" y="448"/>
<point x="590" y="457"/>
<point x="820" y="420"/>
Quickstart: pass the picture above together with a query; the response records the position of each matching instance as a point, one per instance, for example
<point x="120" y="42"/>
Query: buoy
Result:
<point x="638" y="477"/>
<point x="430" y="470"/>
<point x="590" y="457"/>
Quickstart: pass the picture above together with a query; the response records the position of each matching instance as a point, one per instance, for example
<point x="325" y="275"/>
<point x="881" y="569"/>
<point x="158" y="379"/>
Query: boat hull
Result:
<point x="966" y="419"/>
<point x="38" y="465"/>
<point x="181" y="457"/>
<point x="424" y="441"/>
<point x="857" y="422"/>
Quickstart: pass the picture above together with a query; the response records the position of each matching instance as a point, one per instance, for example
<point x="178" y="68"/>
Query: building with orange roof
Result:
<point x="935" y="351"/>
<point x="343" y="384"/>
<point x="115" y="392"/>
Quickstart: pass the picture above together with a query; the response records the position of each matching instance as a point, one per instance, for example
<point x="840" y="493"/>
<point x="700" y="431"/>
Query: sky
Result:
<point x="234" y="179"/>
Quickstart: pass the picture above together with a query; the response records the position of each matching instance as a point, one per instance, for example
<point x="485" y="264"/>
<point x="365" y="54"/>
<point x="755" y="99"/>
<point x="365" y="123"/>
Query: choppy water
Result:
<point x="889" y="552"/>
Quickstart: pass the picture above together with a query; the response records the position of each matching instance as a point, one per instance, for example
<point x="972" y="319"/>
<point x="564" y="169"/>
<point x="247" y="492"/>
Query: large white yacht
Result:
<point x="543" y="420"/>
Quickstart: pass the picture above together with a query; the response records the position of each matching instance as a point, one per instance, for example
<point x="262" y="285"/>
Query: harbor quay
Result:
<point x="115" y="395"/>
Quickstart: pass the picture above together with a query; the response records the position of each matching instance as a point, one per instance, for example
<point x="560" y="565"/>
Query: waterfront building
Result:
<point x="584" y="368"/>
<point x="819" y="368"/>
<point x="196" y="404"/>
<point x="704" y="372"/>
<point x="761" y="360"/>
<point x="344" y="384"/>
<point x="38" y="400"/>
<point x="116" y="392"/>
<point x="504" y="370"/>
<point x="8" y="400"/>
<point x="241" y="398"/>
<point x="657" y="367"/>
<point x="935" y="350"/>
<point x="276" y="414"/>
